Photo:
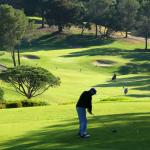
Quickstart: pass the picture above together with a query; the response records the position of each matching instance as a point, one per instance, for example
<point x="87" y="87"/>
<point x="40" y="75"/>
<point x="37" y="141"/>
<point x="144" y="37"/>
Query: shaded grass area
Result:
<point x="135" y="54"/>
<point x="129" y="81"/>
<point x="132" y="133"/>
<point x="130" y="68"/>
<point x="31" y="57"/>
<point x="141" y="83"/>
<point x="134" y="68"/>
<point x="139" y="95"/>
<point x="56" y="41"/>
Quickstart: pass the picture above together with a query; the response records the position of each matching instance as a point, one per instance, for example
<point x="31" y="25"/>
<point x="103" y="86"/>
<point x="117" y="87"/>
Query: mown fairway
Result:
<point x="74" y="60"/>
<point x="55" y="127"/>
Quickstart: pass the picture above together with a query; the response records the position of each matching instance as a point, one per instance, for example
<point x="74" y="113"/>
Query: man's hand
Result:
<point x="90" y="112"/>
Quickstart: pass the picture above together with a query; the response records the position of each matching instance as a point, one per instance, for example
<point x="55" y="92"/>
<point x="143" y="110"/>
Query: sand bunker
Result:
<point x="104" y="63"/>
<point x="30" y="57"/>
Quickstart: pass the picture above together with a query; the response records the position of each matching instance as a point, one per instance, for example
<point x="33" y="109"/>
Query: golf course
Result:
<point x="120" y="122"/>
<point x="74" y="74"/>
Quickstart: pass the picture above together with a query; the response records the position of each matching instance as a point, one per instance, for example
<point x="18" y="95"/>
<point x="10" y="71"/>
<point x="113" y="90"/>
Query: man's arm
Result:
<point x="89" y="109"/>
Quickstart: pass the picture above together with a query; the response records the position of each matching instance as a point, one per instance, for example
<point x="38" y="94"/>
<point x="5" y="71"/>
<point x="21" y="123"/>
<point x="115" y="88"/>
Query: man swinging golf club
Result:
<point x="84" y="102"/>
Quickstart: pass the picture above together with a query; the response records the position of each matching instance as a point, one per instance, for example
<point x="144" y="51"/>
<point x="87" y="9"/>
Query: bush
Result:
<point x="24" y="103"/>
<point x="1" y="94"/>
<point x="2" y="104"/>
<point x="13" y="104"/>
<point x="27" y="103"/>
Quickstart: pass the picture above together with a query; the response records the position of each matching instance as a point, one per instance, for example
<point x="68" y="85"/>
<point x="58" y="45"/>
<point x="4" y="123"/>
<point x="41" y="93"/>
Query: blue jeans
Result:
<point x="82" y="120"/>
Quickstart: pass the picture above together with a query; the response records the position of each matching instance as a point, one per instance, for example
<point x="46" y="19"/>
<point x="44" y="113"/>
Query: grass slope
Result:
<point x="71" y="58"/>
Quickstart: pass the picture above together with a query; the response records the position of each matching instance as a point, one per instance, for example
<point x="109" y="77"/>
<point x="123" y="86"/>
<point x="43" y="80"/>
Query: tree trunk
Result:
<point x="146" y="42"/>
<point x="43" y="19"/>
<point x="105" y="30"/>
<point x="100" y="30"/>
<point x="60" y="29"/>
<point x="13" y="57"/>
<point x="82" y="30"/>
<point x="107" y="33"/>
<point x="126" y="36"/>
<point x="29" y="96"/>
<point x="18" y="56"/>
<point x="96" y="30"/>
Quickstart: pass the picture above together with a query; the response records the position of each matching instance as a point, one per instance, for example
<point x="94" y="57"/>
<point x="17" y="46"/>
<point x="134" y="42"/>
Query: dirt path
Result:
<point x="137" y="38"/>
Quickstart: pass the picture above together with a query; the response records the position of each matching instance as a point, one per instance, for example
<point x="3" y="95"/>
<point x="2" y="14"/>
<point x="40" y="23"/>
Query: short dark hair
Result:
<point x="93" y="90"/>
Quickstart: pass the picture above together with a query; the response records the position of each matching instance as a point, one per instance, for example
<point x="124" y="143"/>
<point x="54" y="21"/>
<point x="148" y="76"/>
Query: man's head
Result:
<point x="93" y="91"/>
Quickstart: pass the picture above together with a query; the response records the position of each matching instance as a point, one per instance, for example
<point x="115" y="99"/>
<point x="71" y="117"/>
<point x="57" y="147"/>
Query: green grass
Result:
<point x="71" y="58"/>
<point x="35" y="18"/>
<point x="55" y="127"/>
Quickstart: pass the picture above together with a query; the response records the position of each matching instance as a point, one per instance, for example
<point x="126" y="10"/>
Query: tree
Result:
<point x="98" y="12"/>
<point x="13" y="25"/>
<point x="81" y="20"/>
<point x="62" y="13"/>
<point x="35" y="7"/>
<point x="30" y="7"/>
<point x="127" y="11"/>
<point x="143" y="23"/>
<point x="17" y="4"/>
<point x="29" y="81"/>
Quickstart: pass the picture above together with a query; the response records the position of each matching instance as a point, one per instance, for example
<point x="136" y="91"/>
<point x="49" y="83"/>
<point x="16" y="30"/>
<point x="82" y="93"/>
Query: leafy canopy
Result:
<point x="13" y="24"/>
<point x="29" y="81"/>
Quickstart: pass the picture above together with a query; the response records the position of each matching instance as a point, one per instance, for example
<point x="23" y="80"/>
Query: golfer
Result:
<point x="84" y="102"/>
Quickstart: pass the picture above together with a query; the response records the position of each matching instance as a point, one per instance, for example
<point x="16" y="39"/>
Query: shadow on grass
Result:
<point x="132" y="132"/>
<point x="56" y="41"/>
<point x="134" y="68"/>
<point x="136" y="54"/>
<point x="141" y="83"/>
<point x="139" y="95"/>
<point x="143" y="88"/>
<point x="139" y="55"/>
<point x="130" y="81"/>
<point x="129" y="68"/>
<point x="97" y="51"/>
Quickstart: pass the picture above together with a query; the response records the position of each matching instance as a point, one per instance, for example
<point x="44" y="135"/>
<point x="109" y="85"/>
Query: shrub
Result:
<point x="24" y="103"/>
<point x="29" y="81"/>
<point x="1" y="95"/>
<point x="12" y="104"/>
<point x="27" y="103"/>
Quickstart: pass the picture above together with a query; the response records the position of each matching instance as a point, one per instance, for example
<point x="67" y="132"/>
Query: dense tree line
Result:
<point x="13" y="26"/>
<point x="26" y="80"/>
<point x="107" y="15"/>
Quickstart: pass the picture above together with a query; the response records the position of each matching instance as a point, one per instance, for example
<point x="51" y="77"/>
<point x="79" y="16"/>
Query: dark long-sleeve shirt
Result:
<point x="85" y="101"/>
